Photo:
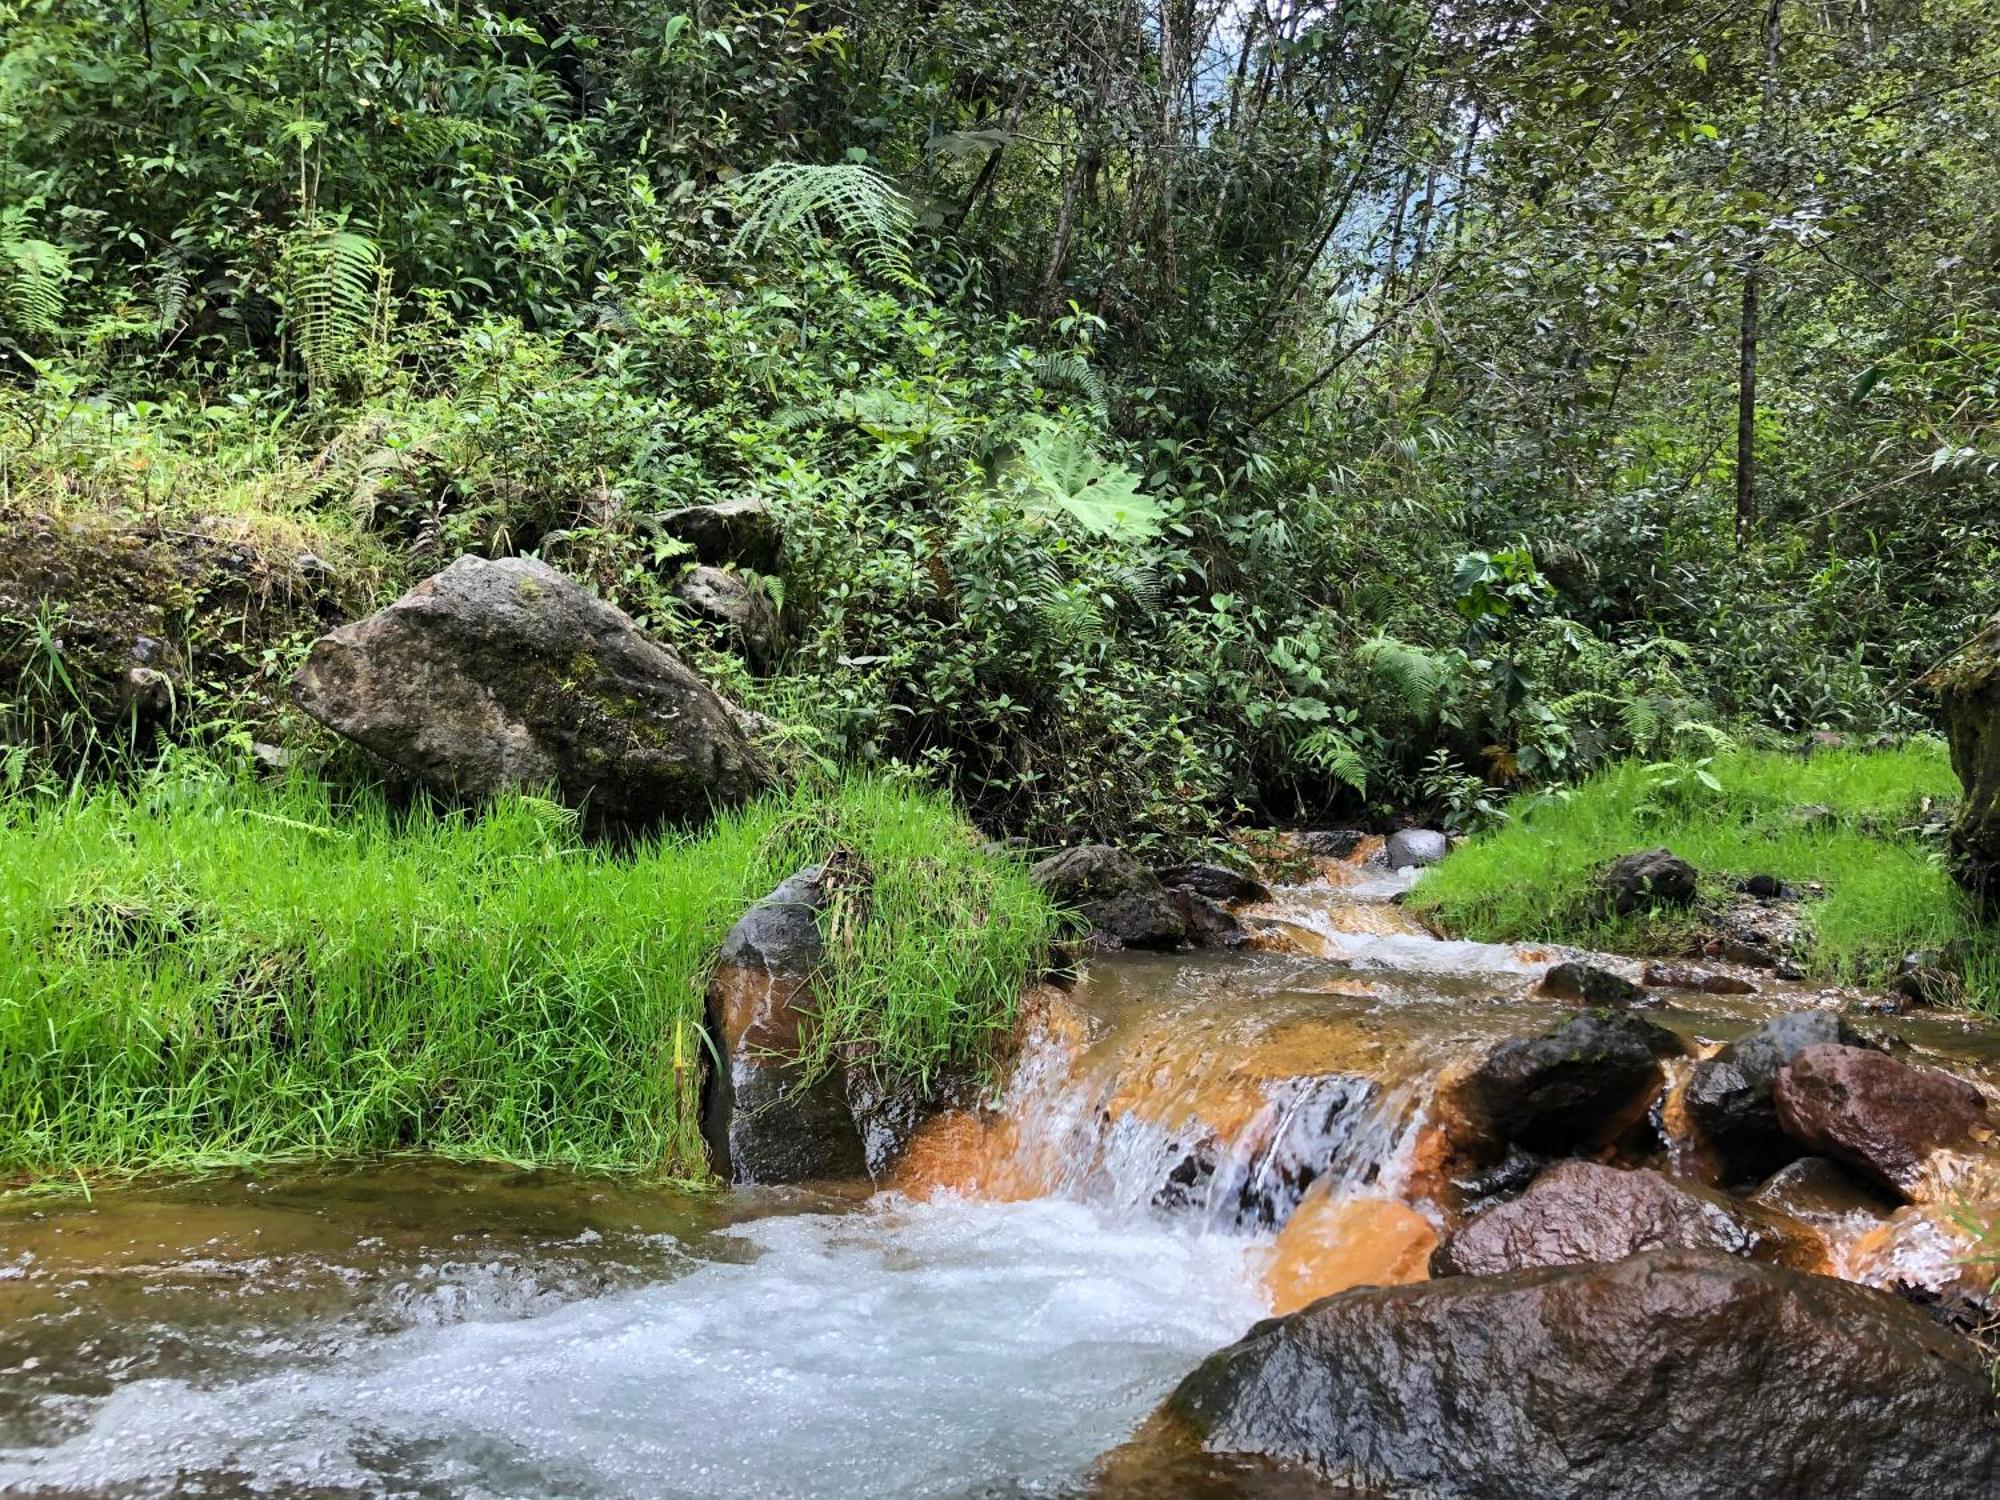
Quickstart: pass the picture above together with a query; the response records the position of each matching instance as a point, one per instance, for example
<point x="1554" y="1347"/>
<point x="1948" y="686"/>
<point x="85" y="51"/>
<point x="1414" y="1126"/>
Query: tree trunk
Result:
<point x="1746" y="401"/>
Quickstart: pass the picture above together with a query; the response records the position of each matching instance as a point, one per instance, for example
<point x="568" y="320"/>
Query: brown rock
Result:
<point x="1676" y="1373"/>
<point x="1889" y="1120"/>
<point x="1579" y="1212"/>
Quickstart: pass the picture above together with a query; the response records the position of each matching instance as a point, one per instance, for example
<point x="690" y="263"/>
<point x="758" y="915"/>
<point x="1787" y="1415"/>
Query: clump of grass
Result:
<point x="1852" y="821"/>
<point x="197" y="970"/>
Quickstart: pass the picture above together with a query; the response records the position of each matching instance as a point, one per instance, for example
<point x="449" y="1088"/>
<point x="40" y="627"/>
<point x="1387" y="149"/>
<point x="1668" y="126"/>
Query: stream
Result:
<point x="1186" y="1144"/>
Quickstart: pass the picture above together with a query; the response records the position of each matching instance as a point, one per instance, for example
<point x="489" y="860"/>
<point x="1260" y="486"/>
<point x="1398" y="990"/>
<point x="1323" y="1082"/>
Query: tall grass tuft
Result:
<point x="197" y="970"/>
<point x="1853" y="821"/>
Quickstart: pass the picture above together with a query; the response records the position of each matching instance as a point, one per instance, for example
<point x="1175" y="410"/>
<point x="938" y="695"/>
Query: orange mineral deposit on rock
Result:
<point x="1333" y="1244"/>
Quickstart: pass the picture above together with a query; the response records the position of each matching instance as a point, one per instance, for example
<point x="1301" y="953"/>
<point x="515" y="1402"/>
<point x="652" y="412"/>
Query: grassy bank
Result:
<point x="1853" y="821"/>
<point x="199" y="970"/>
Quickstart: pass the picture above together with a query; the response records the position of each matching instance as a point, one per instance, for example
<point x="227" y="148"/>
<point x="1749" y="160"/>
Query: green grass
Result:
<point x="198" y="970"/>
<point x="1887" y="894"/>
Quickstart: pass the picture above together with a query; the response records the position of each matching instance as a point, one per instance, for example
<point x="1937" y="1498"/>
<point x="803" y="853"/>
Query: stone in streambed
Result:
<point x="1123" y="901"/>
<point x="1583" y="983"/>
<point x="762" y="1121"/>
<point x="493" y="676"/>
<point x="1413" y="848"/>
<point x="1729" y="1096"/>
<point x="1675" y="1373"/>
<point x="1917" y="1131"/>
<point x="1579" y="1087"/>
<point x="1217" y="882"/>
<point x="1579" y="1211"/>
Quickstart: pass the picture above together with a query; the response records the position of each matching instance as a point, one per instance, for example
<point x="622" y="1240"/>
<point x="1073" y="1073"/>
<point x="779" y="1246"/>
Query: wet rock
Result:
<point x="1587" y="984"/>
<point x="1210" y="924"/>
<point x="1688" y="977"/>
<point x="1896" y="1123"/>
<point x="1729" y="1097"/>
<point x="1331" y="843"/>
<point x="1675" y="1373"/>
<point x="1820" y="1193"/>
<point x="1124" y="901"/>
<point x="1580" y="1087"/>
<point x="762" y="1121"/>
<point x="1648" y="879"/>
<point x="1408" y="847"/>
<point x="744" y="532"/>
<point x="499" y="675"/>
<point x="724" y="599"/>
<point x="1335" y="1243"/>
<point x="1939" y="1258"/>
<point x="1217" y="882"/>
<point x="1968" y="691"/>
<point x="1578" y="1211"/>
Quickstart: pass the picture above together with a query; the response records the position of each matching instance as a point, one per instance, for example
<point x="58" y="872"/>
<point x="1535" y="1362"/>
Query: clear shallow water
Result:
<point x="948" y="1348"/>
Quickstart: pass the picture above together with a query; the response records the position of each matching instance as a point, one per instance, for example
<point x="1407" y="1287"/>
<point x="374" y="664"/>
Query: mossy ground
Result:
<point x="1862" y="823"/>
<point x="197" y="969"/>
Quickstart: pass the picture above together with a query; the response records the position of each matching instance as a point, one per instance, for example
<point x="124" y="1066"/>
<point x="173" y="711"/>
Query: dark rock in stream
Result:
<point x="1587" y="984"/>
<point x="1217" y="882"/>
<point x="1121" y="899"/>
<point x="1578" y="1212"/>
<point x="1331" y="843"/>
<point x="1729" y="1096"/>
<point x="492" y="676"/>
<point x="1579" y="1087"/>
<point x="1677" y="1373"/>
<point x="1896" y="1123"/>
<point x="761" y="1125"/>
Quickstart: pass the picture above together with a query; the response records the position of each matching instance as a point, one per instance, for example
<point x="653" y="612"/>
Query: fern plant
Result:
<point x="333" y="276"/>
<point x="1414" y="674"/>
<point x="855" y="206"/>
<point x="32" y="274"/>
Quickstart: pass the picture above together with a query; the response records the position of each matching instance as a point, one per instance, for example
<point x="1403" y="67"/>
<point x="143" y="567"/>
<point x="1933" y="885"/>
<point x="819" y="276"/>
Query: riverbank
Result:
<point x="200" y="969"/>
<point x="1846" y="844"/>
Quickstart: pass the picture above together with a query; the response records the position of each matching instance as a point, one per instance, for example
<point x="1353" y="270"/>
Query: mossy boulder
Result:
<point x="1968" y="691"/>
<point x="492" y="676"/>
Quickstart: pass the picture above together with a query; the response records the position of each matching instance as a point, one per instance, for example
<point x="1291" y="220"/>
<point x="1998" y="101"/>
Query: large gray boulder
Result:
<point x="744" y="532"/>
<point x="1678" y="1373"/>
<point x="504" y="674"/>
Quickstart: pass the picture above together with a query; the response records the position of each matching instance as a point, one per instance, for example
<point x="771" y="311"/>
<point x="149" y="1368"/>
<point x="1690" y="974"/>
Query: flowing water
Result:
<point x="1185" y="1144"/>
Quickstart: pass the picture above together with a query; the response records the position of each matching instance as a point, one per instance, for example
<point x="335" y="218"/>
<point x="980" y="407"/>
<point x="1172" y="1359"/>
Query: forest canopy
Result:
<point x="1172" y="409"/>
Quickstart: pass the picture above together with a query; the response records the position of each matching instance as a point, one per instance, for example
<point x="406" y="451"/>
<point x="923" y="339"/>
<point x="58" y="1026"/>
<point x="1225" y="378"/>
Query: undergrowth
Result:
<point x="1861" y="824"/>
<point x="197" y="970"/>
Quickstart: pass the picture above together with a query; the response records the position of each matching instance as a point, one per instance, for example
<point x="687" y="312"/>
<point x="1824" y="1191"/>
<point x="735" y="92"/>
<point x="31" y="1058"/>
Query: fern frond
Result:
<point x="855" y="206"/>
<point x="1061" y="368"/>
<point x="1415" y="674"/>
<point x="32" y="273"/>
<point x="1330" y="752"/>
<point x="333" y="275"/>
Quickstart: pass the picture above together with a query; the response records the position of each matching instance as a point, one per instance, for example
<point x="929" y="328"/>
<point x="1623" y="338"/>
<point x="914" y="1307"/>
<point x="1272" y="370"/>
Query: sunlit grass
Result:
<point x="1887" y="892"/>
<point x="198" y="970"/>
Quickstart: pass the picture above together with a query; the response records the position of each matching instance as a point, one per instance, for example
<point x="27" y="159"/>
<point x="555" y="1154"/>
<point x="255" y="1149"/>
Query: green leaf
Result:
<point x="1064" y="472"/>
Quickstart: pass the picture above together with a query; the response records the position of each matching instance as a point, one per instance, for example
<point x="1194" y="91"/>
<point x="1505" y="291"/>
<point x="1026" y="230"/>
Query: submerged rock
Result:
<point x="1579" y="1087"/>
<point x="499" y="675"/>
<point x="1729" y="1096"/>
<point x="1676" y="1373"/>
<point x="763" y="1120"/>
<point x="1587" y="984"/>
<point x="1578" y="1212"/>
<point x="1901" y="1125"/>
<point x="1122" y="900"/>
<point x="1939" y="1258"/>
<point x="1415" y="847"/>
<point x="1689" y="977"/>
<point x="1650" y="878"/>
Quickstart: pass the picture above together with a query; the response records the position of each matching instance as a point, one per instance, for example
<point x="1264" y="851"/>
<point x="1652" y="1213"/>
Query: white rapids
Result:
<point x="949" y="1348"/>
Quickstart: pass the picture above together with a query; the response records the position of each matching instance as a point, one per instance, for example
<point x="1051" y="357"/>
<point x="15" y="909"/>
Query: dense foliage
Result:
<point x="198" y="969"/>
<point x="1171" y="408"/>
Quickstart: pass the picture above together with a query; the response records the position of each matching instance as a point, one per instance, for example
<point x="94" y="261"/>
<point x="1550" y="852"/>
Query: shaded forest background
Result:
<point x="1173" y="410"/>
